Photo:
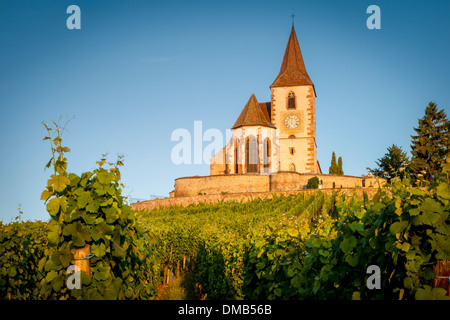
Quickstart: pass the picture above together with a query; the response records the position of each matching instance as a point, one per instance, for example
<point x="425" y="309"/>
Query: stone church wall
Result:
<point x="234" y="183"/>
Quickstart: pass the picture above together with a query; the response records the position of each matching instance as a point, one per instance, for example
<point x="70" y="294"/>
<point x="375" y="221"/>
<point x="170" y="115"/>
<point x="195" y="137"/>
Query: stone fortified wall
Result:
<point x="281" y="181"/>
<point x="237" y="187"/>
<point x="185" y="201"/>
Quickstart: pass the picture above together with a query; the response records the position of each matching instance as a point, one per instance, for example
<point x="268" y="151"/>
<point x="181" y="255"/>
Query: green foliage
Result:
<point x="22" y="245"/>
<point x="272" y="264"/>
<point x="313" y="183"/>
<point x="393" y="164"/>
<point x="333" y="169"/>
<point x="430" y="145"/>
<point x="218" y="267"/>
<point x="340" y="171"/>
<point x="319" y="246"/>
<point x="405" y="234"/>
<point x="89" y="210"/>
<point x="211" y="237"/>
<point x="175" y="244"/>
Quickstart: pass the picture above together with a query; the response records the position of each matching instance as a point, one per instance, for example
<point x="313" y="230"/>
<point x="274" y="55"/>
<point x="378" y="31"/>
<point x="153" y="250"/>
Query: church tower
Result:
<point x="293" y="112"/>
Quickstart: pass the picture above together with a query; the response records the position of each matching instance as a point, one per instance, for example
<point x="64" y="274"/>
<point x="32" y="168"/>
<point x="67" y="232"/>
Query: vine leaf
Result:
<point x="58" y="182"/>
<point x="45" y="195"/>
<point x="443" y="191"/>
<point x="53" y="206"/>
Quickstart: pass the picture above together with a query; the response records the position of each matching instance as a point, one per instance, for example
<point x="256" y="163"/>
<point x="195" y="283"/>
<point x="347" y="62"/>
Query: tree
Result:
<point x="313" y="183"/>
<point x="340" y="171"/>
<point x="392" y="164"/>
<point x="333" y="167"/>
<point x="430" y="145"/>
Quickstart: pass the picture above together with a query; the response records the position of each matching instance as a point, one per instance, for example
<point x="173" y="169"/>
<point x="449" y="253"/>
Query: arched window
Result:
<point x="236" y="156"/>
<point x="292" y="167"/>
<point x="267" y="152"/>
<point x="251" y="151"/>
<point x="291" y="136"/>
<point x="291" y="100"/>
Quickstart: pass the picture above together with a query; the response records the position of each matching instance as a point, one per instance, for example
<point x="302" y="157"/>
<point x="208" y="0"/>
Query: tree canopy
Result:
<point x="430" y="145"/>
<point x="392" y="164"/>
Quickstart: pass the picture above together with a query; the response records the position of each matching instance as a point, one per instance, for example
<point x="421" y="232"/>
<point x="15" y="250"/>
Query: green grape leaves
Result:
<point x="58" y="182"/>
<point x="88" y="211"/>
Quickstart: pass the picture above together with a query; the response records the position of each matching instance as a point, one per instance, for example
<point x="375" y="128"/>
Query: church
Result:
<point x="279" y="135"/>
<point x="273" y="145"/>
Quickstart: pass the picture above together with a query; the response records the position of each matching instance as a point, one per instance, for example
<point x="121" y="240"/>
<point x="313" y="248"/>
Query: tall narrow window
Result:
<point x="225" y="160"/>
<point x="236" y="157"/>
<point x="251" y="155"/>
<point x="266" y="155"/>
<point x="291" y="100"/>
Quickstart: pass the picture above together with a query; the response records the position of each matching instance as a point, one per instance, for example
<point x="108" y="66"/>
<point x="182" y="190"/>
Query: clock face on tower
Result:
<point x="291" y="121"/>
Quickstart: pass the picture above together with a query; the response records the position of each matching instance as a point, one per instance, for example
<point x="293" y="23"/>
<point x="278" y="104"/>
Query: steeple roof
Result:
<point x="253" y="115"/>
<point x="293" y="71"/>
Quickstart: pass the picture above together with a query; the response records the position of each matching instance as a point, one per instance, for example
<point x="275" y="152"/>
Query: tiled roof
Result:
<point x="293" y="71"/>
<point x="265" y="108"/>
<point x="253" y="114"/>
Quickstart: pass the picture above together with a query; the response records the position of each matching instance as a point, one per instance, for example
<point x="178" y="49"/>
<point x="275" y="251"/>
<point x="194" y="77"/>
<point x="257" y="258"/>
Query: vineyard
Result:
<point x="314" y="246"/>
<point x="294" y="247"/>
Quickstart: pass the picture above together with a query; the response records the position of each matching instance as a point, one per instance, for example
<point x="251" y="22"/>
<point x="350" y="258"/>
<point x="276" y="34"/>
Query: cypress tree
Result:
<point x="340" y="171"/>
<point x="430" y="145"/>
<point x="333" y="166"/>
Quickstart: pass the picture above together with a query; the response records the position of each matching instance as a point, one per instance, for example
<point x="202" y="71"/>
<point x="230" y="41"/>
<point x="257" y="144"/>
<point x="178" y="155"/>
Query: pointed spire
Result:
<point x="252" y="115"/>
<point x="293" y="71"/>
<point x="293" y="15"/>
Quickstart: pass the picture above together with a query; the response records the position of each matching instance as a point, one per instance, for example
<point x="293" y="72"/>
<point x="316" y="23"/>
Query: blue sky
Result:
<point x="138" y="70"/>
